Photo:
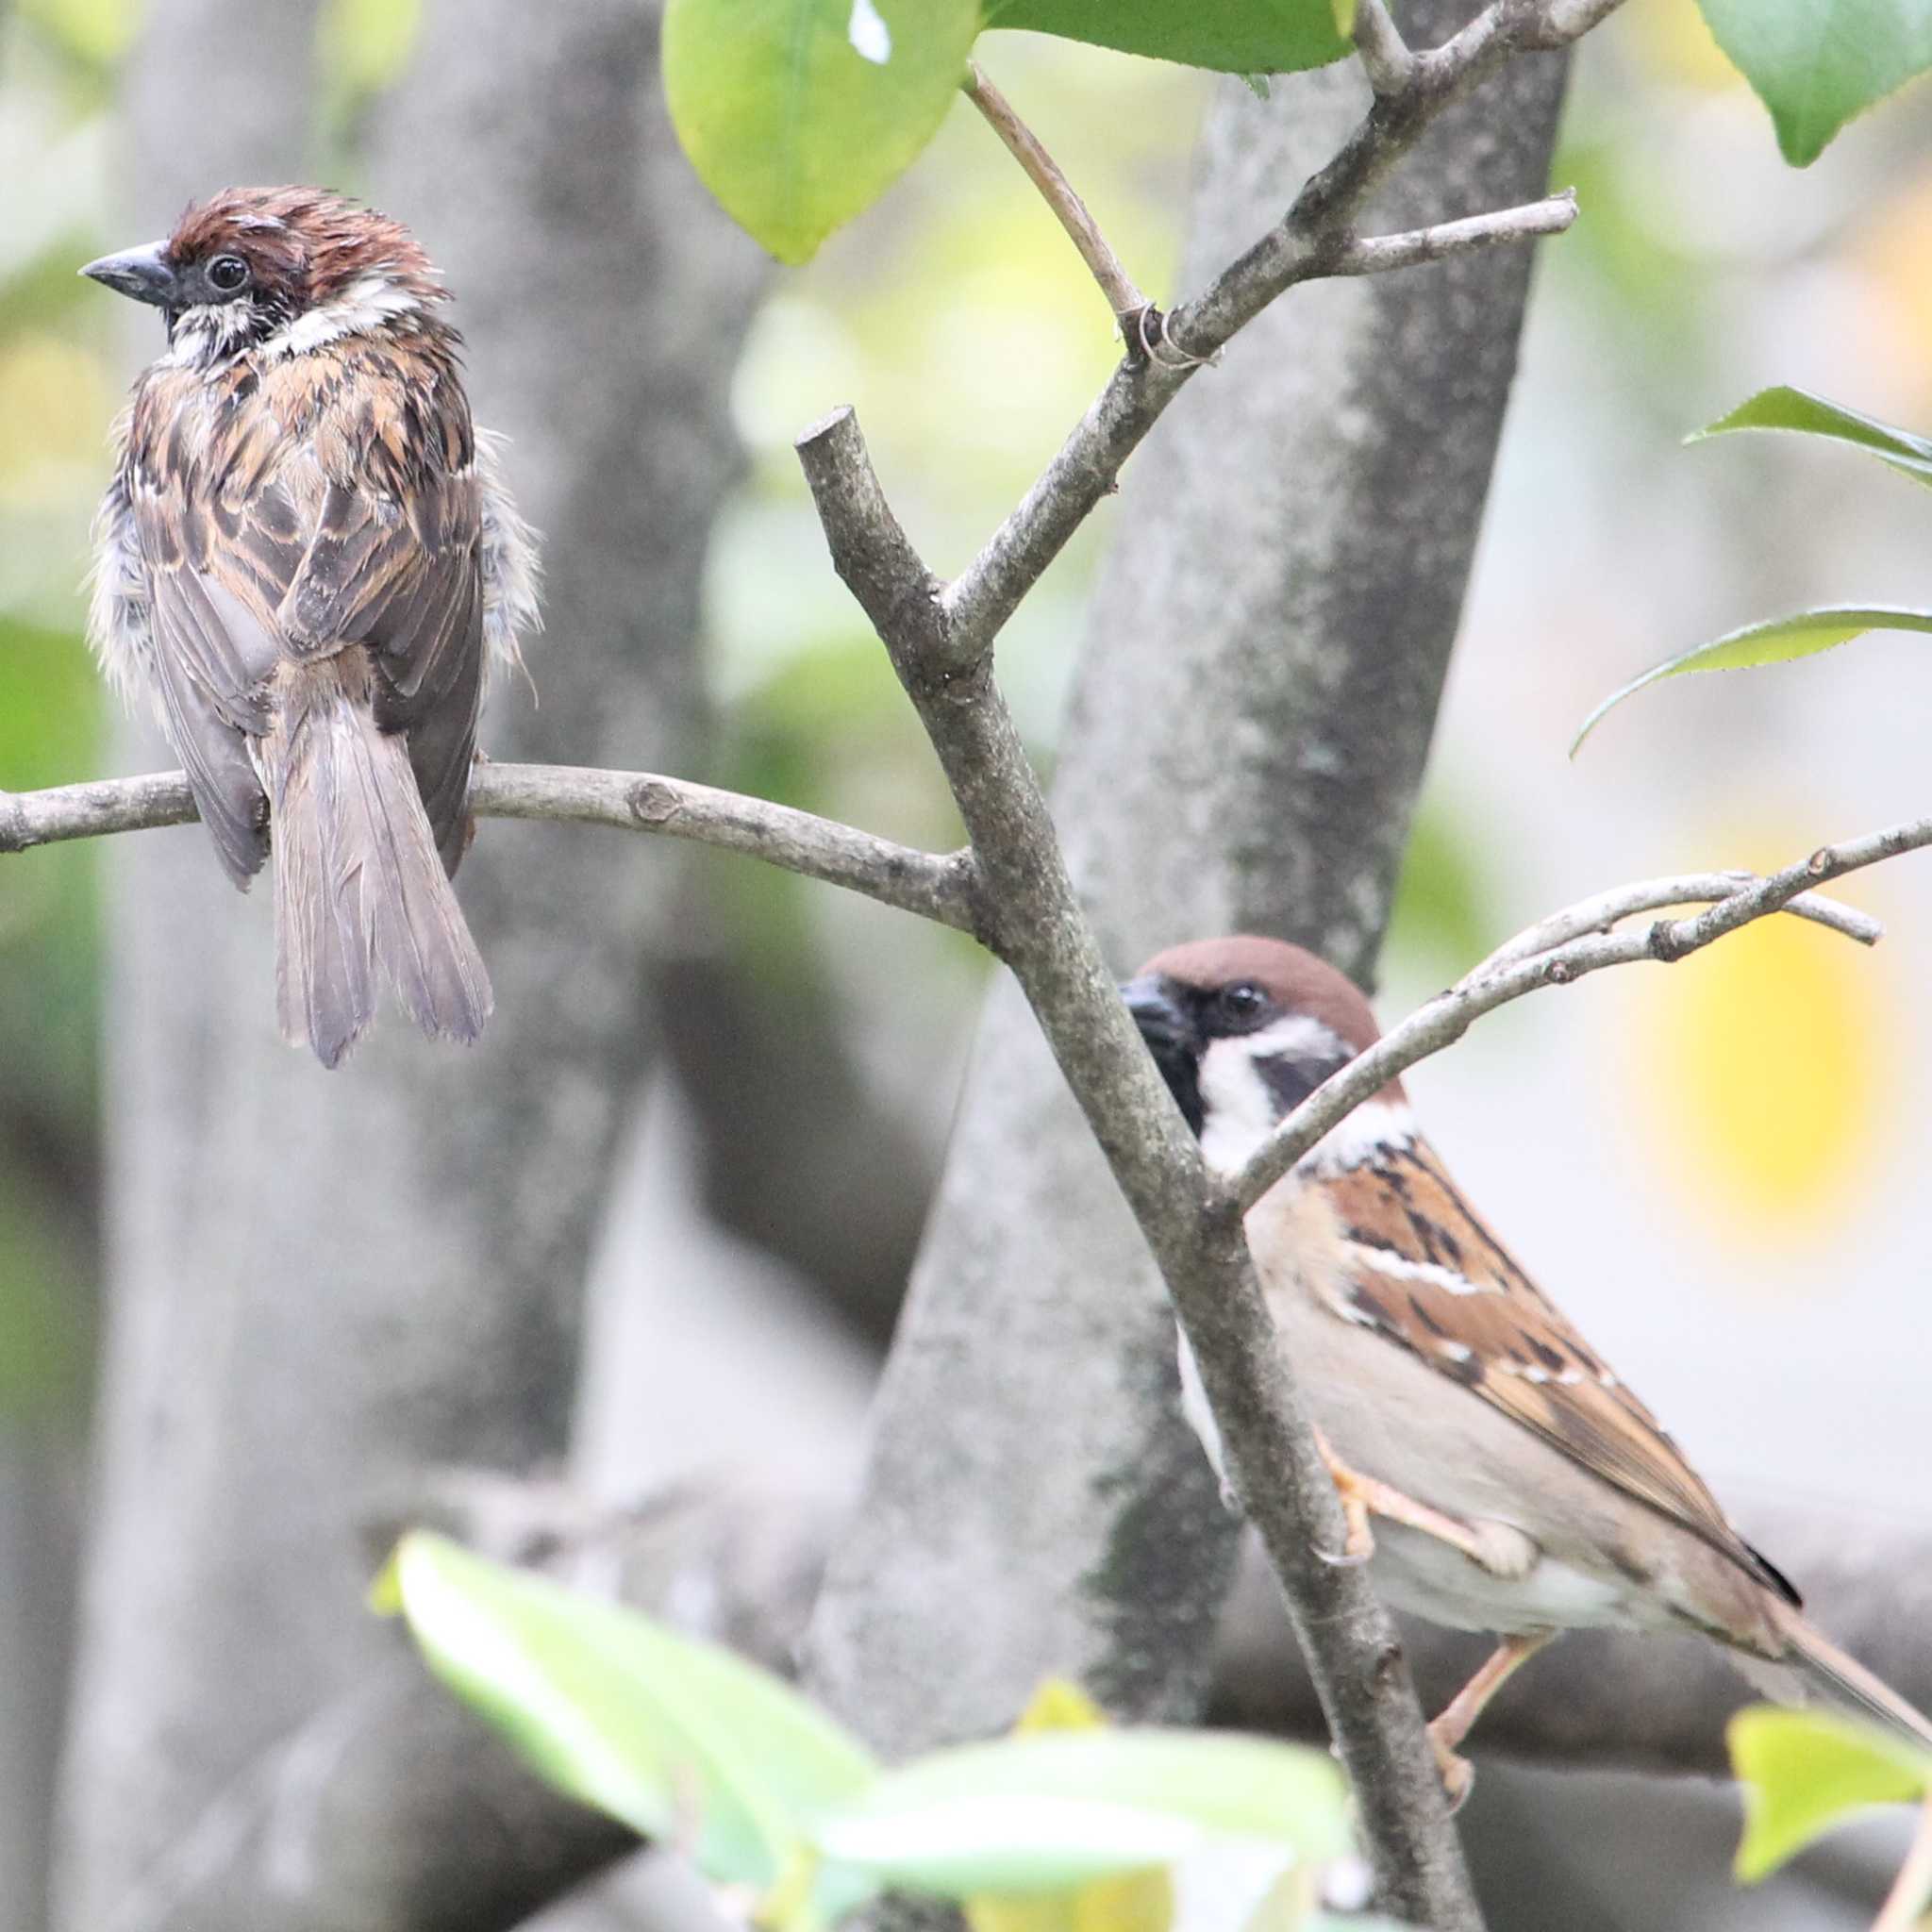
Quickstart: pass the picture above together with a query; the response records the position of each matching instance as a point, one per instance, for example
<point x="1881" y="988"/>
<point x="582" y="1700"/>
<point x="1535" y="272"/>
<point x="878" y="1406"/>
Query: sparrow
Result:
<point x="1493" y="1468"/>
<point x="309" y="560"/>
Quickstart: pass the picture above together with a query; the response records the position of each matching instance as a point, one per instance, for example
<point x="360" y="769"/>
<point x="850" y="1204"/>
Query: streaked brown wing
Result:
<point x="392" y="563"/>
<point x="212" y="654"/>
<point x="1423" y="1269"/>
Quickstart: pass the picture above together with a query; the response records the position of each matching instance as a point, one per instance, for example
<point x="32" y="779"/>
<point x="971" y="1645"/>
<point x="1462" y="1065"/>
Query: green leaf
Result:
<point x="1243" y="36"/>
<point x="1804" y="1771"/>
<point x="1803" y="415"/>
<point x="674" y="1736"/>
<point x="1776" y="642"/>
<point x="799" y="115"/>
<point x="1141" y="1900"/>
<point x="1056" y="1810"/>
<point x="1816" y="63"/>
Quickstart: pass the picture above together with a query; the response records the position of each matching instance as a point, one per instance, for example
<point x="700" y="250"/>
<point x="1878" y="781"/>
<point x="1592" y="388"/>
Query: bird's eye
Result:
<point x="227" y="273"/>
<point x="1243" y="1001"/>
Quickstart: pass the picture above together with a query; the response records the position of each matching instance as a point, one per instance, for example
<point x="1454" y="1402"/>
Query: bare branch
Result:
<point x="1602" y="910"/>
<point x="930" y="885"/>
<point x="1307" y="243"/>
<point x="1122" y="296"/>
<point x="1384" y="55"/>
<point x="1561" y="21"/>
<point x="1038" y="928"/>
<point x="1531" y="961"/>
<point x="1373" y="255"/>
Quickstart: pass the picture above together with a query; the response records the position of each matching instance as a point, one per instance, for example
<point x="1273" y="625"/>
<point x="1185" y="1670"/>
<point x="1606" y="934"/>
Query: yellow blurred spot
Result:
<point x="1140" y="1902"/>
<point x="54" y="406"/>
<point x="1768" y="1079"/>
<point x="1894" y="250"/>
<point x="1670" y="37"/>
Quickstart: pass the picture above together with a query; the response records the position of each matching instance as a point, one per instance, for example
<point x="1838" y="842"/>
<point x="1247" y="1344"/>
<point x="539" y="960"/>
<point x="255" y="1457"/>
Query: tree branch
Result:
<point x="1036" y="925"/>
<point x="1374" y="255"/>
<point x="935" y="887"/>
<point x="1122" y="294"/>
<point x="1303" y="246"/>
<point x="1384" y="55"/>
<point x="1548" y="955"/>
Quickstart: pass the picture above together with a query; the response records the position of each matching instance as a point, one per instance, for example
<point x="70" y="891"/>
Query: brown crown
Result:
<point x="1291" y="976"/>
<point x="310" y="244"/>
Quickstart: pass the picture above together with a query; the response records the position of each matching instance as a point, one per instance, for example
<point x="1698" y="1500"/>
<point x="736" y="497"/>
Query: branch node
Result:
<point x="1667" y="941"/>
<point x="1559" y="972"/>
<point x="652" y="802"/>
<point x="1160" y="345"/>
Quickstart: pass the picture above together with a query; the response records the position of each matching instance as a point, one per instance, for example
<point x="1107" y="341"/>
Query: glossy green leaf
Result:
<point x="1230" y="35"/>
<point x="1800" y="413"/>
<point x="1776" y="642"/>
<point x="1804" y="1771"/>
<point x="799" y="115"/>
<point x="1056" y="1810"/>
<point x="672" y="1736"/>
<point x="1816" y="63"/>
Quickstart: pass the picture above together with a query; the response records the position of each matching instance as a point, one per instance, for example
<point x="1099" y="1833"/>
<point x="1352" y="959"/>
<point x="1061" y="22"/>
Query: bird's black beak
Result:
<point x="142" y="273"/>
<point x="1157" y="1013"/>
<point x="1169" y="1031"/>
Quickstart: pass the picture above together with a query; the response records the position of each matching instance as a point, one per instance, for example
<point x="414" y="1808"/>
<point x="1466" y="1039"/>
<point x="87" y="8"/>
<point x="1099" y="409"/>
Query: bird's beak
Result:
<point x="1157" y="1013"/>
<point x="142" y="273"/>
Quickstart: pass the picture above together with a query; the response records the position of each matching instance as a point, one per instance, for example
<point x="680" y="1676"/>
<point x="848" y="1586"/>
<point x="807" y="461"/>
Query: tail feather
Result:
<point x="1814" y="1670"/>
<point x="360" y="892"/>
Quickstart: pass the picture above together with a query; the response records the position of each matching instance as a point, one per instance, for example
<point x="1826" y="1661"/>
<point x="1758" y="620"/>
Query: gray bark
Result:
<point x="323" y="1284"/>
<point x="1246" y="739"/>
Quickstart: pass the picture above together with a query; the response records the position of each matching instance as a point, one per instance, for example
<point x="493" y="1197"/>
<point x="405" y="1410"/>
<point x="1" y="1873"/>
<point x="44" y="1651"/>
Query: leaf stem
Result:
<point x="1122" y="294"/>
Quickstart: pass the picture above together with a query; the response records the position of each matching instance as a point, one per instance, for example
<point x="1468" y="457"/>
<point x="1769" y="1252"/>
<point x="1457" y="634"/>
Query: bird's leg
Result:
<point x="1448" y="1729"/>
<point x="1363" y="1496"/>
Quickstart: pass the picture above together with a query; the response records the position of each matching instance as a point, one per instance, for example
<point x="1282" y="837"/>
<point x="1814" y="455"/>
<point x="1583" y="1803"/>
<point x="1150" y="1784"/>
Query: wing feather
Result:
<point x="1421" y="1268"/>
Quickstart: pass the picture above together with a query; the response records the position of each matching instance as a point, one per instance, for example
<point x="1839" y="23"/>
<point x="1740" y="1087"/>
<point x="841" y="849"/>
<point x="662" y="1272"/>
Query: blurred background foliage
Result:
<point x="1749" y="1120"/>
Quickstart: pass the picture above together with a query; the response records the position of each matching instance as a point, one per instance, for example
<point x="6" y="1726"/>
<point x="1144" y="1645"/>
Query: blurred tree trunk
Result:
<point x="1248" y="729"/>
<point x="322" y="1285"/>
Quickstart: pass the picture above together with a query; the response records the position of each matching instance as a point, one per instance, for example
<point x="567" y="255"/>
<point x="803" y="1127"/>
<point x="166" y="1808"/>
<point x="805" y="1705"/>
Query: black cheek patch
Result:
<point x="1292" y="1080"/>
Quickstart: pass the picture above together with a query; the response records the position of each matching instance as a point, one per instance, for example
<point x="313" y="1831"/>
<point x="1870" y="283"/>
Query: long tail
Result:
<point x="360" y="893"/>
<point x="1814" y="1670"/>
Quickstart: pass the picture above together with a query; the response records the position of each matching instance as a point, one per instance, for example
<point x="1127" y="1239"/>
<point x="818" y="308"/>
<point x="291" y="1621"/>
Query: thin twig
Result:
<point x="1438" y="1022"/>
<point x="1123" y="296"/>
<point x="1374" y="255"/>
<point x="1911" y="1891"/>
<point x="1602" y="910"/>
<point x="1384" y="54"/>
<point x="1036" y="924"/>
<point x="934" y="886"/>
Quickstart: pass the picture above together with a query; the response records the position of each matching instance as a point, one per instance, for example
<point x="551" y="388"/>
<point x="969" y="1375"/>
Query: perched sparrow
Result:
<point x="309" y="560"/>
<point x="1515" y="1484"/>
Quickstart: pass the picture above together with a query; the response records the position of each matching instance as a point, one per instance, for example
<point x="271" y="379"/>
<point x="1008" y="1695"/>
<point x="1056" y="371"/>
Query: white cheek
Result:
<point x="1240" y="1111"/>
<point x="1238" y="1107"/>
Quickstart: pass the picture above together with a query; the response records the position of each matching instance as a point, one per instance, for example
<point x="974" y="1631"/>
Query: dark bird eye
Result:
<point x="227" y="273"/>
<point x="1243" y="1001"/>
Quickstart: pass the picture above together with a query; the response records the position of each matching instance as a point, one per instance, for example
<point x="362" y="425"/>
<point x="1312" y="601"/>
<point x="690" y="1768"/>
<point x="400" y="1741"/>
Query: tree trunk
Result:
<point x="324" y="1285"/>
<point x="1248" y="729"/>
